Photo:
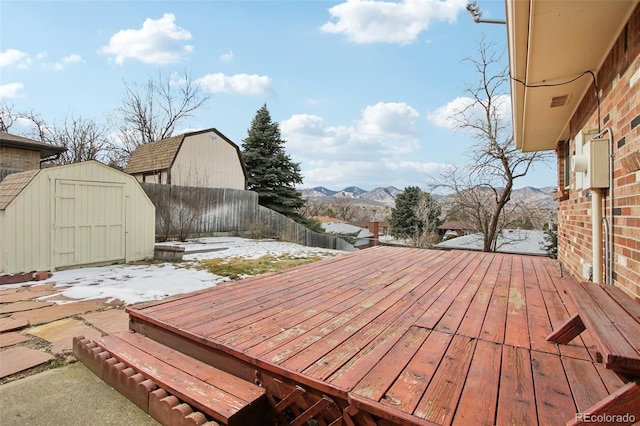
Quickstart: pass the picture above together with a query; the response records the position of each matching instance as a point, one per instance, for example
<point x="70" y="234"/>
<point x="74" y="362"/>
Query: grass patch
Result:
<point x="239" y="267"/>
<point x="55" y="364"/>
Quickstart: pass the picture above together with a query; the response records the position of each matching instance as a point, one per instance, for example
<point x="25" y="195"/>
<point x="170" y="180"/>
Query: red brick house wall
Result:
<point x="619" y="91"/>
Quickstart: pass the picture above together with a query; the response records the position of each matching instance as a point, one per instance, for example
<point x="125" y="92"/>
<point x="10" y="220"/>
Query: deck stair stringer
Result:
<point x="172" y="387"/>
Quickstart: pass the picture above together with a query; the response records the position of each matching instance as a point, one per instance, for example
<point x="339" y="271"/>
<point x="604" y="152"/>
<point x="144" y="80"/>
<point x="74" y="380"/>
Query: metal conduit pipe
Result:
<point x="607" y="250"/>
<point x="596" y="235"/>
<point x="608" y="225"/>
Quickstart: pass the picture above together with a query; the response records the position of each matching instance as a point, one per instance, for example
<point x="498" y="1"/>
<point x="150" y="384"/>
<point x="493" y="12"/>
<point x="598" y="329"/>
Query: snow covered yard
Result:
<point x="135" y="283"/>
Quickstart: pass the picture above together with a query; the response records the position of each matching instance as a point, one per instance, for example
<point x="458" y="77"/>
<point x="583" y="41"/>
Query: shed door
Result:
<point x="89" y="222"/>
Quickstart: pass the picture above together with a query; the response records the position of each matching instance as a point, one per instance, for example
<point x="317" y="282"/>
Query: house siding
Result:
<point x="14" y="160"/>
<point x="207" y="160"/>
<point x="619" y="89"/>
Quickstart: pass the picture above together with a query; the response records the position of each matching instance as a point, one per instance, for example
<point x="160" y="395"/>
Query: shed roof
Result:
<point x="15" y="141"/>
<point x="159" y="155"/>
<point x="156" y="155"/>
<point x="13" y="184"/>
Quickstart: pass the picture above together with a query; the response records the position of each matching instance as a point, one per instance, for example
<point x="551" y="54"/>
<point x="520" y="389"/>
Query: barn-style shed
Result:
<point x="72" y="215"/>
<point x="205" y="158"/>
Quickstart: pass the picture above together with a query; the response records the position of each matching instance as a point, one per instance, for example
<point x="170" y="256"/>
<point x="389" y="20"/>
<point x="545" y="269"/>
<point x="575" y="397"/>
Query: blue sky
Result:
<point x="361" y="89"/>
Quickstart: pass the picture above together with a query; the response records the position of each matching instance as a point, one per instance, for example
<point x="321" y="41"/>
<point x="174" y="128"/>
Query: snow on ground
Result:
<point x="135" y="283"/>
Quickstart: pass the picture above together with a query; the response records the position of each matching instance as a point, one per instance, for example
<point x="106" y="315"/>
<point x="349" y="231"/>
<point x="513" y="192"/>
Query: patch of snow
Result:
<point x="135" y="283"/>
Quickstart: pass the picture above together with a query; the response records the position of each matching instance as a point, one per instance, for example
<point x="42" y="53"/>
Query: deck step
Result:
<point x="158" y="378"/>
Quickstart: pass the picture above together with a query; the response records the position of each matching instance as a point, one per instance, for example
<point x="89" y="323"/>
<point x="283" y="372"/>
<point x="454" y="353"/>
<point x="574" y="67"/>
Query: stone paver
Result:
<point x="56" y="312"/>
<point x="109" y="322"/>
<point x="60" y="334"/>
<point x="25" y="295"/>
<point x="15" y="360"/>
<point x="11" y="324"/>
<point x="12" y="338"/>
<point x="22" y="306"/>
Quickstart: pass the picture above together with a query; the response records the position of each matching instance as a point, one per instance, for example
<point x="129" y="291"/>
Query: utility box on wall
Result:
<point x="591" y="163"/>
<point x="597" y="175"/>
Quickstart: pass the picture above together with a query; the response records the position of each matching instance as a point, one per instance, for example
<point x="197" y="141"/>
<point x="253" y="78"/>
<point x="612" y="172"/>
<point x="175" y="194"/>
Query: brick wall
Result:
<point x="17" y="160"/>
<point x="619" y="89"/>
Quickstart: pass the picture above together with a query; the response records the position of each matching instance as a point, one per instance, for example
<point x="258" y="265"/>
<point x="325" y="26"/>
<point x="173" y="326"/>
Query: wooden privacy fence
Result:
<point x="274" y="224"/>
<point x="184" y="211"/>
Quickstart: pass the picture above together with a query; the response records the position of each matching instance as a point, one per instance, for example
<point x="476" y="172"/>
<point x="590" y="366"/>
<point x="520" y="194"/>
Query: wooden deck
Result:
<point x="397" y="335"/>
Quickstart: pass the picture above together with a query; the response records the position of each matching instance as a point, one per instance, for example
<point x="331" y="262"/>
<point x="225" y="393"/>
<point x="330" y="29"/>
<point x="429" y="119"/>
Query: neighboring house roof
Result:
<point x="342" y="228"/>
<point x="13" y="184"/>
<point x="365" y="223"/>
<point x="455" y="225"/>
<point x="327" y="219"/>
<point x="515" y="241"/>
<point x="160" y="155"/>
<point x="553" y="42"/>
<point x="15" y="141"/>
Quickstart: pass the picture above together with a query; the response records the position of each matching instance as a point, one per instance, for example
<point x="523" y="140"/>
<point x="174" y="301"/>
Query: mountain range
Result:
<point x="542" y="197"/>
<point x="382" y="195"/>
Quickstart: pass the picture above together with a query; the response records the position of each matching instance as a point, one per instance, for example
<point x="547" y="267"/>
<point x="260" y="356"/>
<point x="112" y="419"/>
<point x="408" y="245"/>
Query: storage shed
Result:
<point x="205" y="158"/>
<point x="72" y="215"/>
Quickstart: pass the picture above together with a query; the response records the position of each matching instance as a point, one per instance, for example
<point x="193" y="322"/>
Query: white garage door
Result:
<point x="89" y="222"/>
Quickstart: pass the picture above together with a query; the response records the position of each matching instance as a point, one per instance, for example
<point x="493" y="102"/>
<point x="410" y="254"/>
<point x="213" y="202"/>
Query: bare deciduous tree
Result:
<point x="151" y="112"/>
<point x="314" y="208"/>
<point x="7" y="116"/>
<point x="483" y="188"/>
<point x="84" y="139"/>
<point x="343" y="208"/>
<point x="36" y="127"/>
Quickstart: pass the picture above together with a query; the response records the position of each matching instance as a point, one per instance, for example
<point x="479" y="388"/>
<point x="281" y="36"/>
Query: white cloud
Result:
<point x="369" y="174"/>
<point x="445" y="115"/>
<point x="371" y="151"/>
<point x="159" y="41"/>
<point x="11" y="90"/>
<point x="246" y="84"/>
<point x="64" y="62"/>
<point x="387" y="129"/>
<point x="227" y="57"/>
<point x="463" y="109"/>
<point x="304" y="124"/>
<point x="364" y="21"/>
<point x="14" y="57"/>
<point x="389" y="118"/>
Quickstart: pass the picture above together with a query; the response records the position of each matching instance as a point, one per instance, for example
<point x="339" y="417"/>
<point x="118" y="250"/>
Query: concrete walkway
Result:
<point x="69" y="395"/>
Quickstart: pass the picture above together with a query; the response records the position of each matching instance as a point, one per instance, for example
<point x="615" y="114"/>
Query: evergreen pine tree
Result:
<point x="404" y="223"/>
<point x="416" y="213"/>
<point x="271" y="173"/>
